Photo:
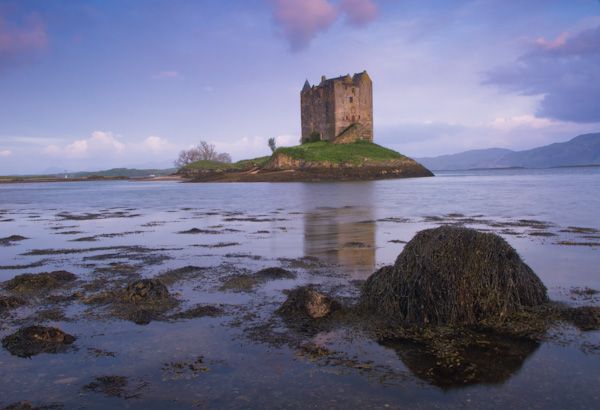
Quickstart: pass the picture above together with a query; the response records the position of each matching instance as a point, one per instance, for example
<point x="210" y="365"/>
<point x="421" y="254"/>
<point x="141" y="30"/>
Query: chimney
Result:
<point x="323" y="78"/>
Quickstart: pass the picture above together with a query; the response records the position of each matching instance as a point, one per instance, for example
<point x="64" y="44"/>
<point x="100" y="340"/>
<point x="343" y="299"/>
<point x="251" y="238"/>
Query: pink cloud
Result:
<point x="552" y="44"/>
<point x="301" y="20"/>
<point x="18" y="40"/>
<point x="359" y="12"/>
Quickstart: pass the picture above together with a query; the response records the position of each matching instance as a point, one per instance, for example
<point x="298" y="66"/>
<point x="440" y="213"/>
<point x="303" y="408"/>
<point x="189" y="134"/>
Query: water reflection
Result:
<point x="343" y="236"/>
<point x="483" y="359"/>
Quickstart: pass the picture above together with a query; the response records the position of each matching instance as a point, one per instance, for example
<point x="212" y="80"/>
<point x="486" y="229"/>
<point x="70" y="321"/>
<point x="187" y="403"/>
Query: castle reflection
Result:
<point x="343" y="236"/>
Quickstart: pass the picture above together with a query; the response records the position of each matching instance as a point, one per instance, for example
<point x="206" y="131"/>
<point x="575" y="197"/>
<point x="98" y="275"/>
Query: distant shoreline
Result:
<point x="516" y="168"/>
<point x="40" y="179"/>
<point x="275" y="177"/>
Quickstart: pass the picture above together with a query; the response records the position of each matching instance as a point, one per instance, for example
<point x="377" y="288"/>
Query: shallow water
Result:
<point x="348" y="230"/>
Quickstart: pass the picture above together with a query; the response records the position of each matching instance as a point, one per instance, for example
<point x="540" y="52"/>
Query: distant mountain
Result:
<point x="581" y="150"/>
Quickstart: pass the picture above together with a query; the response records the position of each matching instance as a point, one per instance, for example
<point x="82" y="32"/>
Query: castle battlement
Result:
<point x="338" y="109"/>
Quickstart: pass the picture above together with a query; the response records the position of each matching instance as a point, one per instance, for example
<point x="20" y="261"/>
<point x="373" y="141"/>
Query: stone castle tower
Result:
<point x="339" y="110"/>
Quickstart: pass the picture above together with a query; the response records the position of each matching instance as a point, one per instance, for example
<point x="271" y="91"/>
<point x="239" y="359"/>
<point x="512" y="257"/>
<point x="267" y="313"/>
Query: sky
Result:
<point x="88" y="85"/>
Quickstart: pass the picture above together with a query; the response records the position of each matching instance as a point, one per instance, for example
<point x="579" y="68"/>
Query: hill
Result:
<point x="581" y="150"/>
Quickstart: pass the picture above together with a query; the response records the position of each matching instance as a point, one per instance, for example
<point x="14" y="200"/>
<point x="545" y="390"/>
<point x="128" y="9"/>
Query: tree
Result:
<point x="204" y="151"/>
<point x="272" y="144"/>
<point x="223" y="157"/>
<point x="207" y="151"/>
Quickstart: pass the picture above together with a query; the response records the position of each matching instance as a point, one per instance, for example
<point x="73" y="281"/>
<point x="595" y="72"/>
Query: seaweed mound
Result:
<point x="32" y="340"/>
<point x="275" y="273"/>
<point x="35" y="282"/>
<point x="143" y="301"/>
<point x="10" y="302"/>
<point x="584" y="317"/>
<point x="453" y="276"/>
<point x="146" y="291"/>
<point x="306" y="302"/>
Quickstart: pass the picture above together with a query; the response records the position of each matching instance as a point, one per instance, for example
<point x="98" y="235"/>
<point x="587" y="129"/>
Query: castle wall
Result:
<point x="317" y="106"/>
<point x="336" y="104"/>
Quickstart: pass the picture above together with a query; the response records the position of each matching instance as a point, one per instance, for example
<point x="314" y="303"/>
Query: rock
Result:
<point x="584" y="317"/>
<point x="275" y="273"/>
<point x="37" y="282"/>
<point x="453" y="276"/>
<point x="32" y="340"/>
<point x="146" y="291"/>
<point x="307" y="302"/>
<point x="10" y="302"/>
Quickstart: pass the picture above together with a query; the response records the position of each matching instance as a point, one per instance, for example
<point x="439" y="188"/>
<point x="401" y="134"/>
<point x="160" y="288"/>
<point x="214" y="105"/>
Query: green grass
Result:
<point x="339" y="153"/>
<point x="214" y="165"/>
<point x="321" y="151"/>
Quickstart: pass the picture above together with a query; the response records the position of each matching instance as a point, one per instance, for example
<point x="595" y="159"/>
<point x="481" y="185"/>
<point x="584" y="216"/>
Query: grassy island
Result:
<point x="313" y="161"/>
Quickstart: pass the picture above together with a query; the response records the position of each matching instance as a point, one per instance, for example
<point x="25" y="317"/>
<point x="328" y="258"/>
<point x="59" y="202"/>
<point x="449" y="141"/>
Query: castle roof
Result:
<point x="354" y="79"/>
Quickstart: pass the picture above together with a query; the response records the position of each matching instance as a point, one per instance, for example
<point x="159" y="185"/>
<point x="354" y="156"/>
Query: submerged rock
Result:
<point x="307" y="302"/>
<point x="243" y="282"/>
<point x="146" y="291"/>
<point x="32" y="340"/>
<point x="37" y="282"/>
<point x="453" y="276"/>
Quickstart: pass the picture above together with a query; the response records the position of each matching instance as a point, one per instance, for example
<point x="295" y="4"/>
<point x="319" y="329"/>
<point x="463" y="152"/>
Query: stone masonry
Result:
<point x="338" y="109"/>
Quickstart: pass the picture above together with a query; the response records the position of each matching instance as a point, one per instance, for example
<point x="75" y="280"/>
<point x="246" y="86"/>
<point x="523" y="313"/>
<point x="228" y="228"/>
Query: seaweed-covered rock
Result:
<point x="307" y="302"/>
<point x="10" y="302"/>
<point x="37" y="282"/>
<point x="32" y="340"/>
<point x="584" y="317"/>
<point x="146" y="291"/>
<point x="453" y="276"/>
<point x="275" y="273"/>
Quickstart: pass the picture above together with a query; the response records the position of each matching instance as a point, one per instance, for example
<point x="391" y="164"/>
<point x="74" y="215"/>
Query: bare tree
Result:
<point x="187" y="156"/>
<point x="223" y="157"/>
<point x="204" y="151"/>
<point x="207" y="151"/>
<point x="272" y="144"/>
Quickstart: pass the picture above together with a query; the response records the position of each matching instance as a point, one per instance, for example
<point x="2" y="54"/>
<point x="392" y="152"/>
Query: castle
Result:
<point x="338" y="110"/>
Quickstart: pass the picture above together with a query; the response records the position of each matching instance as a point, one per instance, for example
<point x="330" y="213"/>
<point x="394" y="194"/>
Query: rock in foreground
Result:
<point x="146" y="291"/>
<point x="306" y="302"/>
<point x="32" y="340"/>
<point x="453" y="276"/>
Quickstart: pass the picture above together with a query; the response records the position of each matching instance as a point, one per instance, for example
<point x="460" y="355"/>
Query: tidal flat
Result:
<point x="170" y="294"/>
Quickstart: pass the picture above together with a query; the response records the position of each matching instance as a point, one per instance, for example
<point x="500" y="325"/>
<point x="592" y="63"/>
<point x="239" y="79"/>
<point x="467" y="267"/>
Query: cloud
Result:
<point x="521" y="121"/>
<point x="359" y="12"/>
<point x="156" y="144"/>
<point x="5" y="153"/>
<point x="20" y="41"/>
<point x="165" y="75"/>
<point x="99" y="143"/>
<point x="564" y="71"/>
<point x="301" y="20"/>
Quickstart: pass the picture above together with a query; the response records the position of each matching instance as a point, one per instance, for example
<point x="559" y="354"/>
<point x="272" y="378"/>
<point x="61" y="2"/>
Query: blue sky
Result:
<point x="100" y="84"/>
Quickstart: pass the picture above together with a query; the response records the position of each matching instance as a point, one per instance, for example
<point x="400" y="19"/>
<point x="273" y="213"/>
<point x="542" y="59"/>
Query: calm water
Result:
<point x="352" y="228"/>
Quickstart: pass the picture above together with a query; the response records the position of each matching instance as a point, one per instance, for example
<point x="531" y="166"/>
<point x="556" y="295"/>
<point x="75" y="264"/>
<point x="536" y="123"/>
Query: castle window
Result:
<point x="351" y="99"/>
